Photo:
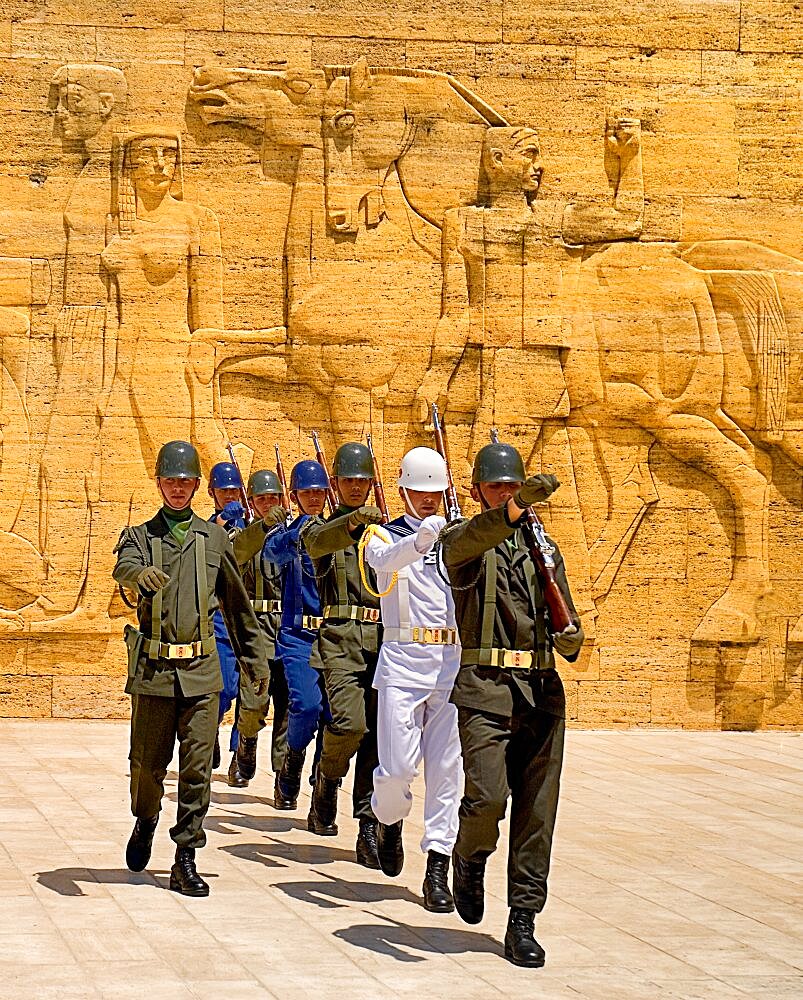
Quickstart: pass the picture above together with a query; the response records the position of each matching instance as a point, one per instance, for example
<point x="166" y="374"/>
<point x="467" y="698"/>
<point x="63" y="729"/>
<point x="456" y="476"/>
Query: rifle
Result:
<point x="250" y="515"/>
<point x="379" y="490"/>
<point x="282" y="480"/>
<point x="450" y="501"/>
<point x="542" y="554"/>
<point x="320" y="458"/>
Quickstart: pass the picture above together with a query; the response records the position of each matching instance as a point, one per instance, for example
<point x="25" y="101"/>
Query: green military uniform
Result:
<point x="264" y="587"/>
<point x="174" y="674"/>
<point x="511" y="721"/>
<point x="346" y="652"/>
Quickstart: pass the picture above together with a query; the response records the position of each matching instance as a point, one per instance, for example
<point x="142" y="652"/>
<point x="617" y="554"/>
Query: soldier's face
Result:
<point x="309" y="501"/>
<point x="352" y="491"/>
<point x="222" y="497"/>
<point x="493" y="495"/>
<point x="421" y="504"/>
<point x="262" y="504"/>
<point x="177" y="493"/>
<point x="81" y="111"/>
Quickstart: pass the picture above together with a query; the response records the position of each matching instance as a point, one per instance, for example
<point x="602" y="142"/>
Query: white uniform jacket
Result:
<point x="420" y="599"/>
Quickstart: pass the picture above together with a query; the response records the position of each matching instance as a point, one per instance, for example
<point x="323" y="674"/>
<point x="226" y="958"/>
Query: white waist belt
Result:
<point x="423" y="634"/>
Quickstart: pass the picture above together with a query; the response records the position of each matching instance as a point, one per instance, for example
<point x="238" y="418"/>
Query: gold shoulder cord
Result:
<point x="372" y="529"/>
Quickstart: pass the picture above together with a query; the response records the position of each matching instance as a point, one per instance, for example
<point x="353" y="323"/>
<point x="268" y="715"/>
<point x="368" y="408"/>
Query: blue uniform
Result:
<point x="229" y="670"/>
<point x="307" y="703"/>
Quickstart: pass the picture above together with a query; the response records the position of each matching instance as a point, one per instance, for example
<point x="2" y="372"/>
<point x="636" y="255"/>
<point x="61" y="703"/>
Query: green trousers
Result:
<point x="518" y="758"/>
<point x="156" y="724"/>
<point x="352" y="731"/>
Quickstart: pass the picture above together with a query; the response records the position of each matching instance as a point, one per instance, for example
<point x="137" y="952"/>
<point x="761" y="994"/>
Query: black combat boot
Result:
<point x="288" y="780"/>
<point x="366" y="844"/>
<point x="437" y="898"/>
<point x="390" y="848"/>
<point x="138" y="848"/>
<point x="183" y="875"/>
<point x="468" y="887"/>
<point x="216" y="753"/>
<point x="521" y="948"/>
<point x="323" y="808"/>
<point x="235" y="776"/>
<point x="247" y="756"/>
<point x="279" y="801"/>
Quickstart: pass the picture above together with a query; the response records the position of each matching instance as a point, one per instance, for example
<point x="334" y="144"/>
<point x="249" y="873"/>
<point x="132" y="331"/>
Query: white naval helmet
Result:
<point x="423" y="470"/>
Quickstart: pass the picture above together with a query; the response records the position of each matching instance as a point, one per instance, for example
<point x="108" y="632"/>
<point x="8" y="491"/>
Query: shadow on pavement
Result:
<point x="305" y="854"/>
<point x="398" y="940"/>
<point x="66" y="881"/>
<point x="329" y="893"/>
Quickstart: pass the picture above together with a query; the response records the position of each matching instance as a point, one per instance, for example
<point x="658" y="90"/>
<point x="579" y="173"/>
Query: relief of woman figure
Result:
<point x="163" y="256"/>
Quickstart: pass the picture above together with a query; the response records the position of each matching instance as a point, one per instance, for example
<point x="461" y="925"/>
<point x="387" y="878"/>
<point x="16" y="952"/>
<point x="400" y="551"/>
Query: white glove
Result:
<point x="428" y="532"/>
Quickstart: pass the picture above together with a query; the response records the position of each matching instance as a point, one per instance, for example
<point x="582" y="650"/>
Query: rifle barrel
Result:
<point x="320" y="458"/>
<point x="249" y="510"/>
<point x="379" y="489"/>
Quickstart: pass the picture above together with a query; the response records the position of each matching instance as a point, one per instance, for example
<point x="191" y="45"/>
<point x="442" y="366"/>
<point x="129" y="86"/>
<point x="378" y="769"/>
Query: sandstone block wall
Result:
<point x="577" y="222"/>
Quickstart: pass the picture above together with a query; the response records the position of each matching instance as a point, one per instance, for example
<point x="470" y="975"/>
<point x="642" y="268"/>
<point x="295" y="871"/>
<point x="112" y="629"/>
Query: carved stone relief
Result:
<point x="426" y="256"/>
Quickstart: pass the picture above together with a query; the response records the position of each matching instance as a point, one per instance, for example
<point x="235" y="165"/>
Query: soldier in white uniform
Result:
<point x="417" y="666"/>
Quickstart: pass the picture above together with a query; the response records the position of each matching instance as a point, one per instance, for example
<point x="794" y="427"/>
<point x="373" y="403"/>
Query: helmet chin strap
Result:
<point x="483" y="501"/>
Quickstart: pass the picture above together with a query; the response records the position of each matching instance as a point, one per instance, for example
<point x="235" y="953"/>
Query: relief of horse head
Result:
<point x="284" y="105"/>
<point x="422" y="126"/>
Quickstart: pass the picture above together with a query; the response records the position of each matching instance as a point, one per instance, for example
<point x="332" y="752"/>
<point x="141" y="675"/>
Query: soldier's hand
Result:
<point x="152" y="579"/>
<point x="536" y="489"/>
<point x="261" y="687"/>
<point x="274" y="516"/>
<point x="365" y="515"/>
<point x="232" y="515"/>
<point x="428" y="532"/>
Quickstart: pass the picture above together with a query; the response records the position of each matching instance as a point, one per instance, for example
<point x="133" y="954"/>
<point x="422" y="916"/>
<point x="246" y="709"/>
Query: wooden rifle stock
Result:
<point x="450" y="501"/>
<point x="249" y="510"/>
<point x="542" y="554"/>
<point x="320" y="458"/>
<point x="282" y="480"/>
<point x="379" y="489"/>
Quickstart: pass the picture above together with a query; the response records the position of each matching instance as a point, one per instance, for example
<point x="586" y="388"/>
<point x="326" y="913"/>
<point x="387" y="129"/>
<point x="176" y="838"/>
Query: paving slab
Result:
<point x="677" y="875"/>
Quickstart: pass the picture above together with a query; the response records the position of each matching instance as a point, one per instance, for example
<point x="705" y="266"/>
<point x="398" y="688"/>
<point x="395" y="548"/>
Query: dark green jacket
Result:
<point x="180" y="616"/>
<point x="333" y="550"/>
<point x="518" y="602"/>
<point x="248" y="553"/>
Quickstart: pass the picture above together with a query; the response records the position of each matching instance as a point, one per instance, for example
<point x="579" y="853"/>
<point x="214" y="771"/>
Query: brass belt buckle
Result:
<point x="370" y="614"/>
<point x="513" y="658"/>
<point x="179" y="651"/>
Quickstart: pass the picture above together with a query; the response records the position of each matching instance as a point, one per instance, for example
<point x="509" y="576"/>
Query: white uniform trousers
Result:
<point x="415" y="724"/>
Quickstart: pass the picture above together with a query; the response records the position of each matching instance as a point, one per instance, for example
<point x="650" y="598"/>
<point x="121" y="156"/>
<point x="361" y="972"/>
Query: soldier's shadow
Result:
<point x="402" y="942"/>
<point x="221" y="819"/>
<point x="275" y="853"/>
<point x="67" y="881"/>
<point x="334" y="892"/>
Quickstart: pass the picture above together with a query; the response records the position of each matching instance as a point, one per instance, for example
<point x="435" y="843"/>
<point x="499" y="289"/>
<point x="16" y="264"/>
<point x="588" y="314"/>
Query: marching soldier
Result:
<point x="347" y="649"/>
<point x="183" y="569"/>
<point x="300" y="620"/>
<point x="509" y="695"/>
<point x="262" y="581"/>
<point x="418" y="663"/>
<point x="225" y="486"/>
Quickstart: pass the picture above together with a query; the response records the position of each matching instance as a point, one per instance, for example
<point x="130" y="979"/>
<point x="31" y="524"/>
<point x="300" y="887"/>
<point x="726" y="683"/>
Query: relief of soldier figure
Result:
<point x="421" y="263"/>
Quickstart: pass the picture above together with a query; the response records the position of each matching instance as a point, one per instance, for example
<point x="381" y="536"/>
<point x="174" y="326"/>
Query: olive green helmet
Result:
<point x="178" y="460"/>
<point x="263" y="482"/>
<point x="498" y="463"/>
<point x="353" y="461"/>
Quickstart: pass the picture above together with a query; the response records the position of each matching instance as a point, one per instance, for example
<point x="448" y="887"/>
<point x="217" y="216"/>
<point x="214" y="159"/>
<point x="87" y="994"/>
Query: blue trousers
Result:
<point x="231" y="682"/>
<point x="307" y="705"/>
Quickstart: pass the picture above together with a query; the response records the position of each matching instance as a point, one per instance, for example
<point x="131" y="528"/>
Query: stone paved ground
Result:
<point x="678" y="874"/>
